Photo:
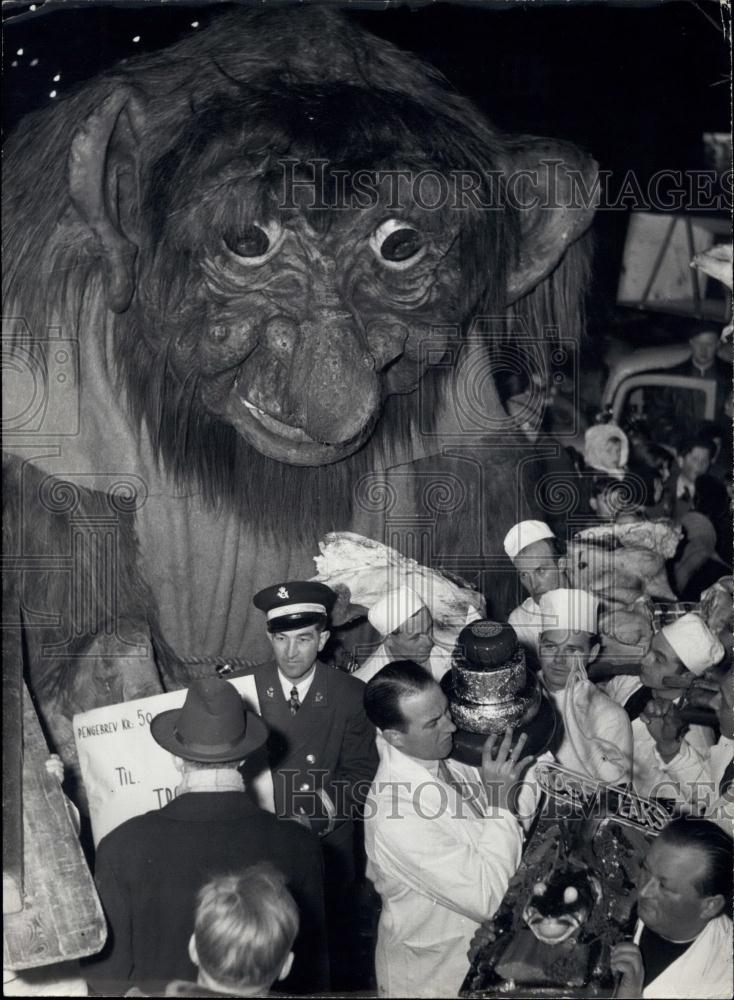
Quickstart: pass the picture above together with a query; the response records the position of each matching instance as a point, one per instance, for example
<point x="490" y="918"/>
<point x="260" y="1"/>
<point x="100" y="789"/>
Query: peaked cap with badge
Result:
<point x="295" y="604"/>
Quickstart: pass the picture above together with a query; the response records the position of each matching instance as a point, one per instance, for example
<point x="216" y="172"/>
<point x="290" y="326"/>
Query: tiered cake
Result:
<point x="490" y="687"/>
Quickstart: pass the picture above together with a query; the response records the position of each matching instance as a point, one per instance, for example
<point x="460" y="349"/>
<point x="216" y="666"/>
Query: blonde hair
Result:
<point x="245" y="926"/>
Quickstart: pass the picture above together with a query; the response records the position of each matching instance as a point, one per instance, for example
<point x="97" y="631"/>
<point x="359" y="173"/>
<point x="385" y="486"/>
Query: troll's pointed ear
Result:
<point x="103" y="178"/>
<point x="553" y="186"/>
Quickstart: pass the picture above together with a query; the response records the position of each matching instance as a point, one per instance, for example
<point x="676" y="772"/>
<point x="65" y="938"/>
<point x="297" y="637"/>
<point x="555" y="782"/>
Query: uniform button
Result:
<point x="304" y="787"/>
<point x="310" y="758"/>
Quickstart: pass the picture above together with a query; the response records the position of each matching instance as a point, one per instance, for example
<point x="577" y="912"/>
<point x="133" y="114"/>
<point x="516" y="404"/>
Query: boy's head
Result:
<point x="695" y="455"/>
<point x="244" y="931"/>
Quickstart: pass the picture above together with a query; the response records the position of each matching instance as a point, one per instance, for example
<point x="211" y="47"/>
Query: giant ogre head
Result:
<point x="281" y="212"/>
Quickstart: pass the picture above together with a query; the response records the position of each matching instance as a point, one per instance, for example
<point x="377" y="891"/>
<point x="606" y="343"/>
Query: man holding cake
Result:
<point x="442" y="843"/>
<point x="535" y="554"/>
<point x="597" y="734"/>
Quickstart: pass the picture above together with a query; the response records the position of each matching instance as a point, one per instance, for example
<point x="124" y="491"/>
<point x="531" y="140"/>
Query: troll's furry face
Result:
<point x="284" y="219"/>
<point x="297" y="294"/>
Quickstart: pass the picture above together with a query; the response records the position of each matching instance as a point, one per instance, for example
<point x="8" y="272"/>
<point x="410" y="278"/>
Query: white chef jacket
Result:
<point x="439" y="869"/>
<point x="438" y="662"/>
<point x="621" y="688"/>
<point x="677" y="779"/>
<point x="591" y="749"/>
<point x="589" y="753"/>
<point x="703" y="971"/>
<point x="527" y="622"/>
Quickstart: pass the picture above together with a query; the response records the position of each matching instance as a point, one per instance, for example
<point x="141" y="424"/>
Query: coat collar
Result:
<point x="206" y="806"/>
<point x="394" y="764"/>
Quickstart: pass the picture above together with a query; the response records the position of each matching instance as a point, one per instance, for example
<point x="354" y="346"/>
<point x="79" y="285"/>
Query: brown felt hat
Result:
<point x="212" y="726"/>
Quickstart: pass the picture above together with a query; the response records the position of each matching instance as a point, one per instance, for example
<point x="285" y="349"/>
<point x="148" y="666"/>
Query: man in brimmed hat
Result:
<point x="149" y="869"/>
<point x="535" y="553"/>
<point x="671" y="759"/>
<point x="321" y="745"/>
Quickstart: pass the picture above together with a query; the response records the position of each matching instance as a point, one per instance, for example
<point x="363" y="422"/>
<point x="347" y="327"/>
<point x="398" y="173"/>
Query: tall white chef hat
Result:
<point x="570" y="610"/>
<point x="524" y="533"/>
<point x="394" y="609"/>
<point x="693" y="643"/>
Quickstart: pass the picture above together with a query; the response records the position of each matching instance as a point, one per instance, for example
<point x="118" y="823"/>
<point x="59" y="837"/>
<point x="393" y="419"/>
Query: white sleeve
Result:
<point x="687" y="777"/>
<point x="621" y="687"/>
<point x="691" y="771"/>
<point x="617" y="731"/>
<point x="467" y="874"/>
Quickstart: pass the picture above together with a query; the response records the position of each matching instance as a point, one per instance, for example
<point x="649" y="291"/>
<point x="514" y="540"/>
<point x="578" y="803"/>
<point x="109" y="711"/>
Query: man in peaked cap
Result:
<point x="534" y="551"/>
<point x="321" y="746"/>
<point x="297" y="604"/>
<point x="671" y="759"/>
<point x="150" y="869"/>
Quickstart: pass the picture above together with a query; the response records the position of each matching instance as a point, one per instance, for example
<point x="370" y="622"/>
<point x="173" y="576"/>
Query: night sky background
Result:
<point x="635" y="84"/>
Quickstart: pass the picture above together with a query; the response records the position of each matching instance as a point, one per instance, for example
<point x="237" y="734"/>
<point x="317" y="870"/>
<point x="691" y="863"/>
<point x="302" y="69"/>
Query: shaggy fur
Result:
<point x="247" y="83"/>
<point x="83" y="611"/>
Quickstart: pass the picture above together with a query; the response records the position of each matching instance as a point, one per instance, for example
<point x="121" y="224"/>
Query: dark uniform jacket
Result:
<point x="323" y="758"/>
<point x="149" y="870"/>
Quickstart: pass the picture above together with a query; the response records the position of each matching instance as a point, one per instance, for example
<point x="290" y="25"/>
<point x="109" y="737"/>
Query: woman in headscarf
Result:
<point x="606" y="449"/>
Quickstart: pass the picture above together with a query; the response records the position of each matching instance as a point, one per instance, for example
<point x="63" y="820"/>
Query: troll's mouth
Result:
<point x="553" y="930"/>
<point x="275" y="426"/>
<point x="282" y="441"/>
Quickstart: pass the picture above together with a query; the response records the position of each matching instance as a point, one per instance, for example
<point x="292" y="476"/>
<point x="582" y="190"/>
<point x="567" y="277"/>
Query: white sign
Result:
<point x="595" y="798"/>
<point x="127" y="773"/>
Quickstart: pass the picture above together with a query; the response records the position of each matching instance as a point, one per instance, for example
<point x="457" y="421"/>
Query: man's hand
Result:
<point x="55" y="767"/>
<point x="626" y="959"/>
<point x="501" y="771"/>
<point x="484" y="934"/>
<point x="665" y="725"/>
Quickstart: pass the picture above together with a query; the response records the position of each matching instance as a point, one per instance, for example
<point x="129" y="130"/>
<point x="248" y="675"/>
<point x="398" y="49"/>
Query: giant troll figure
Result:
<point x="244" y="280"/>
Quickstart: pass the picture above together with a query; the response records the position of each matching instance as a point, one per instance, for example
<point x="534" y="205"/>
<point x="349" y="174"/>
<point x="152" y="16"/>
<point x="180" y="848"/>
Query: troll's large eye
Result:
<point x="397" y="245"/>
<point x="253" y="244"/>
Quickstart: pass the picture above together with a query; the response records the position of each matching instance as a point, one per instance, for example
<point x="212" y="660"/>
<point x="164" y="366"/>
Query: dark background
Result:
<point x="635" y="84"/>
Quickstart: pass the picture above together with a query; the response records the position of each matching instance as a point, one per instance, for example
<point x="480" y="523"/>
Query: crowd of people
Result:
<point x="211" y="895"/>
<point x="193" y="912"/>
